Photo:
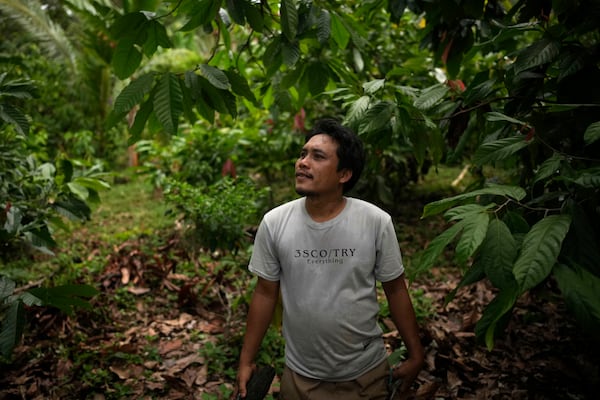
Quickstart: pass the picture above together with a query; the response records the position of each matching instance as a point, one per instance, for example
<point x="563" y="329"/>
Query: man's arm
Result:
<point x="262" y="306"/>
<point x="403" y="315"/>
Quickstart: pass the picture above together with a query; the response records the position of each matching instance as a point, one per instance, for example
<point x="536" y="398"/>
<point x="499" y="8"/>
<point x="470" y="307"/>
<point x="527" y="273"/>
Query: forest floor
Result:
<point x="154" y="332"/>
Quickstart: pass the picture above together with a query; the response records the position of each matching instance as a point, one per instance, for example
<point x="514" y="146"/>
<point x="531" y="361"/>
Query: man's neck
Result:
<point x="323" y="209"/>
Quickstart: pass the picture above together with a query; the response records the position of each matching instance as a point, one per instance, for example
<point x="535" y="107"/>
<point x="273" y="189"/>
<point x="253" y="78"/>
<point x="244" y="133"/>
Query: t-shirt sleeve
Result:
<point x="389" y="264"/>
<point x="264" y="261"/>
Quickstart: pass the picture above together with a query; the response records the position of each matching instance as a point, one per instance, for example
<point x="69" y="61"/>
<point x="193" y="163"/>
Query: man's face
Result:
<point x="316" y="168"/>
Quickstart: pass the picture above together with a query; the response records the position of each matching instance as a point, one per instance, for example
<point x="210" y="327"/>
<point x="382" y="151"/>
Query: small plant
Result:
<point x="217" y="216"/>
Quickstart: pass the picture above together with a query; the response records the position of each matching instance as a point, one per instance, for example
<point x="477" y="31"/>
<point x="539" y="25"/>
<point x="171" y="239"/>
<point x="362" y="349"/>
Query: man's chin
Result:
<point x="303" y="192"/>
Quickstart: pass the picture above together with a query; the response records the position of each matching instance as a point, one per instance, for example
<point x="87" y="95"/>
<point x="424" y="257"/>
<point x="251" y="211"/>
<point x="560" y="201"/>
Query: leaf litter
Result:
<point x="153" y="349"/>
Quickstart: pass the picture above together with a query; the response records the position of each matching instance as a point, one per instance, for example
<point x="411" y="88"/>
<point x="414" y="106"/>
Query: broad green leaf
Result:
<point x="128" y="25"/>
<point x="133" y="93"/>
<point x="592" y="133"/>
<point x="254" y="16"/>
<point x="272" y="57"/>
<point x="540" y="250"/>
<point x="290" y="53"/>
<point x="497" y="255"/>
<point x="539" y="53"/>
<point x="466" y="211"/>
<point x="156" y="36"/>
<point x="67" y="297"/>
<point x="78" y="190"/>
<point x="11" y="329"/>
<point x="14" y="116"/>
<point x="240" y="86"/>
<point x="474" y="231"/>
<point x="317" y="76"/>
<point x="141" y="116"/>
<point x="373" y="86"/>
<point x="203" y="12"/>
<point x="580" y="289"/>
<point x="126" y="58"/>
<point x="431" y="96"/>
<point x="377" y="117"/>
<point x="339" y="33"/>
<point x="435" y="248"/>
<point x="168" y="102"/>
<point x="589" y="178"/>
<point x="498" y="150"/>
<point x="323" y="26"/>
<point x="358" y="108"/>
<point x="548" y="168"/>
<point x="496" y="116"/>
<point x="436" y="207"/>
<point x="396" y="9"/>
<point x="236" y="10"/>
<point x="92" y="183"/>
<point x="215" y="76"/>
<point x="289" y="19"/>
<point x="73" y="208"/>
<point x="487" y="327"/>
<point x="7" y="288"/>
<point x="479" y="92"/>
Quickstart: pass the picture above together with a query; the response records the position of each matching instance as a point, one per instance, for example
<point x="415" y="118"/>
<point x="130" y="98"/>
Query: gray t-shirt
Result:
<point x="328" y="274"/>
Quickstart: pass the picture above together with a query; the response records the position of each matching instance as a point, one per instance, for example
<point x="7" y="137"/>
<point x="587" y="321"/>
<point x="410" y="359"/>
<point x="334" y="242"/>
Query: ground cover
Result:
<point x="168" y="322"/>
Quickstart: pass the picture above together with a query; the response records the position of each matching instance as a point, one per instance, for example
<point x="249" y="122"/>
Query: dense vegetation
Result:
<point x="208" y="99"/>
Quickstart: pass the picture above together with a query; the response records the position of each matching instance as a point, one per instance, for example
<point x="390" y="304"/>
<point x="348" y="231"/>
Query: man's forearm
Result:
<point x="262" y="306"/>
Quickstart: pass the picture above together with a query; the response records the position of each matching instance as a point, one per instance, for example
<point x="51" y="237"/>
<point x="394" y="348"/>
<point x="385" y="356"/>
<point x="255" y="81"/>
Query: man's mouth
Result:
<point x="303" y="175"/>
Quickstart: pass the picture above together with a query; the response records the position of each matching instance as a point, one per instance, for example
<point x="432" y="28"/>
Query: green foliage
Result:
<point x="217" y="215"/>
<point x="12" y="307"/>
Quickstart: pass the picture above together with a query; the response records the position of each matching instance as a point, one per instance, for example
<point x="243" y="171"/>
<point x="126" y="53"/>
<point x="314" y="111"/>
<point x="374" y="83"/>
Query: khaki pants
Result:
<point x="372" y="386"/>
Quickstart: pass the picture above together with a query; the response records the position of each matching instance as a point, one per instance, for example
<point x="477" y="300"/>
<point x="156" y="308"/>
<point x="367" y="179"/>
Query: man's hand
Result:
<point x="407" y="372"/>
<point x="244" y="374"/>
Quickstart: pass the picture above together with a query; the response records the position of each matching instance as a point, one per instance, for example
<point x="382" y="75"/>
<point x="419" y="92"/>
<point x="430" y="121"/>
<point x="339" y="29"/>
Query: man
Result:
<point x="325" y="252"/>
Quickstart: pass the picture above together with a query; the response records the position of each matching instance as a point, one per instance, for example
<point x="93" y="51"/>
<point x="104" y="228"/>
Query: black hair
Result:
<point x="350" y="151"/>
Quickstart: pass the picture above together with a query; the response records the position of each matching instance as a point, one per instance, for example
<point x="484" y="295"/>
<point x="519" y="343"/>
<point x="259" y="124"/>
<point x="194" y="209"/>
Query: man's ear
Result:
<point x="345" y="175"/>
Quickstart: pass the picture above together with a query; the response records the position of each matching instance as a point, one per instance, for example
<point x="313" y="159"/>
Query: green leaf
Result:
<point x="437" y="246"/>
<point x="141" y="117"/>
<point x="66" y="297"/>
<point x="589" y="178"/>
<point x="487" y="327"/>
<point x="11" y="329"/>
<point x="323" y="27"/>
<point x="133" y="93"/>
<point x="358" y="108"/>
<point x="78" y="190"/>
<point x="473" y="274"/>
<point x="540" y="250"/>
<point x="92" y="183"/>
<point x="373" y="86"/>
<point x="7" y="288"/>
<point x="156" y="36"/>
<point x="215" y="76"/>
<point x="254" y="16"/>
<point x="479" y="92"/>
<point x="203" y="12"/>
<point x="436" y="207"/>
<point x="126" y="58"/>
<point x="496" y="116"/>
<point x="431" y="96"/>
<point x="592" y="133"/>
<point x="236" y="9"/>
<point x="340" y="34"/>
<point x="474" y="231"/>
<point x="14" y="116"/>
<point x="497" y="255"/>
<point x="498" y="150"/>
<point x="580" y="289"/>
<point x="548" y="168"/>
<point x="168" y="102"/>
<point x="290" y="53"/>
<point x="128" y="25"/>
<point x="377" y="117"/>
<point x="289" y="19"/>
<point x="240" y="86"/>
<point x="539" y="53"/>
<point x="466" y="211"/>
